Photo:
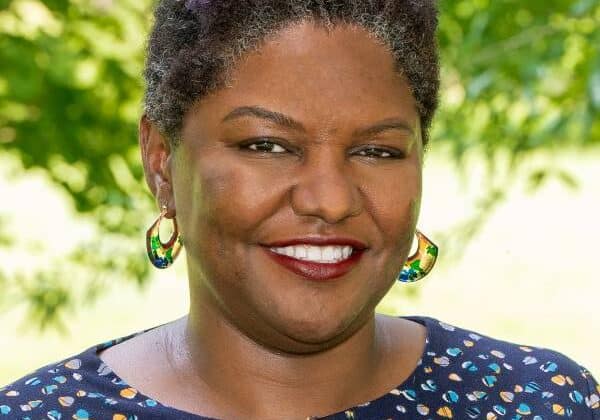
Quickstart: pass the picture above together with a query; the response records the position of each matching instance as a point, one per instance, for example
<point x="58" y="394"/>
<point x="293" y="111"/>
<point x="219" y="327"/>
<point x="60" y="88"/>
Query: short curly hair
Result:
<point x="195" y="43"/>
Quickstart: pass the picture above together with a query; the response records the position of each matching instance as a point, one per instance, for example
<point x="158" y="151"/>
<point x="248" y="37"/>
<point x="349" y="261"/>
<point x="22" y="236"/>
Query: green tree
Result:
<point x="517" y="77"/>
<point x="70" y="88"/>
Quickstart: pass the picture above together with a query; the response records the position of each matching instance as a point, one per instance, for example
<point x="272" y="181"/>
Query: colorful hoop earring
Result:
<point x="162" y="254"/>
<point x="421" y="262"/>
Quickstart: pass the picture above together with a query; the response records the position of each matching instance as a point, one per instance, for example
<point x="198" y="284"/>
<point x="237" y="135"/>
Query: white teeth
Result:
<point x="327" y="253"/>
<point x="337" y="253"/>
<point x="322" y="254"/>
<point x="301" y="252"/>
<point x="346" y="251"/>
<point x="314" y="253"/>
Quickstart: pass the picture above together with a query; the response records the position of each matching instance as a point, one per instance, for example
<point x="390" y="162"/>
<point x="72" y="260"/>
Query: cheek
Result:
<point x="395" y="205"/>
<point x="224" y="199"/>
<point x="394" y="201"/>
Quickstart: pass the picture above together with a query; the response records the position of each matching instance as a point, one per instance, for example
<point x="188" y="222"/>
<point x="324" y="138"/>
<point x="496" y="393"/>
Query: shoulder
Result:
<point x="51" y="388"/>
<point x="81" y="387"/>
<point x="507" y="377"/>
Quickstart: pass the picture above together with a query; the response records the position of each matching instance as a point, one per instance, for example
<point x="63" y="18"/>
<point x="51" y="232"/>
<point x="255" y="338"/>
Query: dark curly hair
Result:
<point x="194" y="44"/>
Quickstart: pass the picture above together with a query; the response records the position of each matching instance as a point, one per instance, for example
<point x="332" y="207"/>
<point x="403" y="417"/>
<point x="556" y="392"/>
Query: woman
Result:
<point x="286" y="139"/>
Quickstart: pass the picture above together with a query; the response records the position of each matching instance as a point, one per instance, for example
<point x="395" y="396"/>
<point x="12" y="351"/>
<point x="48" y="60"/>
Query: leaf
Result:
<point x="594" y="88"/>
<point x="567" y="179"/>
<point x="536" y="179"/>
<point x="582" y="7"/>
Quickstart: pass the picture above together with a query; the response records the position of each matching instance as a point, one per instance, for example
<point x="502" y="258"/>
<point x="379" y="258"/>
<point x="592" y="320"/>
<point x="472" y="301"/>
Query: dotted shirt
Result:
<point x="461" y="375"/>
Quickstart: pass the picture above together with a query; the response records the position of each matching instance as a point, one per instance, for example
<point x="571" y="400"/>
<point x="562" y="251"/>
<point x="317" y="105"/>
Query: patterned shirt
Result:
<point x="461" y="375"/>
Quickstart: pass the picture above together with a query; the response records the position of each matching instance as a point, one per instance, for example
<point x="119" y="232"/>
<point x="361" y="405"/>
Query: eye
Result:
<point x="378" y="152"/>
<point x="264" y="146"/>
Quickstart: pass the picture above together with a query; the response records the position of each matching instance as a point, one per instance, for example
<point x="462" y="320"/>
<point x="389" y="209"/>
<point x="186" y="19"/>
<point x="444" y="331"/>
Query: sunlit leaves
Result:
<point x="70" y="89"/>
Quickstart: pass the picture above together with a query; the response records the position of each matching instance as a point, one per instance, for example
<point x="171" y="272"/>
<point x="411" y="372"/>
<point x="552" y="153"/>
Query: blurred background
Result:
<point x="511" y="188"/>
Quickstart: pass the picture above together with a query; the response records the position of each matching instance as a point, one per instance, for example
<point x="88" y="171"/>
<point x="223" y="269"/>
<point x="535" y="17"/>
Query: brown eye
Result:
<point x="378" y="152"/>
<point x="264" y="146"/>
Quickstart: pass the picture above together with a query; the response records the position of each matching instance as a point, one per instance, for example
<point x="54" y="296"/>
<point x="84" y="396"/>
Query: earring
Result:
<point x="421" y="262"/>
<point x="162" y="254"/>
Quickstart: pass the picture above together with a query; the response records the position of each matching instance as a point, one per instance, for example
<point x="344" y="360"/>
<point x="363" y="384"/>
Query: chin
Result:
<point x="321" y="329"/>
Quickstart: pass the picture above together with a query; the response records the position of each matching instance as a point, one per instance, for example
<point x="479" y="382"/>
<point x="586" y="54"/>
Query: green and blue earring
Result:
<point x="421" y="262"/>
<point x="162" y="254"/>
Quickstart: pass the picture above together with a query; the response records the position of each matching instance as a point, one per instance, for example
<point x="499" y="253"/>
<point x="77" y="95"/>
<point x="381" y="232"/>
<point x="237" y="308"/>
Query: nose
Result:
<point x="325" y="189"/>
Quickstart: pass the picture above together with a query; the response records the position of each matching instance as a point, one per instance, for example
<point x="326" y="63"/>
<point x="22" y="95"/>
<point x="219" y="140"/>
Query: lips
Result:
<point x="312" y="270"/>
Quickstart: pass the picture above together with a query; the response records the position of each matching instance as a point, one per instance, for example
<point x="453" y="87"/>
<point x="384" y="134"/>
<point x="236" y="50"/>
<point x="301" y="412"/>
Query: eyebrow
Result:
<point x="387" y="124"/>
<point x="258" y="112"/>
<point x="288" y="122"/>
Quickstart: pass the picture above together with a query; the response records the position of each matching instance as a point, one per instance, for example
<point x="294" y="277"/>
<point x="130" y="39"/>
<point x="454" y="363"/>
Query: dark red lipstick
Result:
<point x="314" y="270"/>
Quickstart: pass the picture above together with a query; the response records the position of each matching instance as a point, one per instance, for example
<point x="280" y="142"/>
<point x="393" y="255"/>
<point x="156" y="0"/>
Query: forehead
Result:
<point x="306" y="70"/>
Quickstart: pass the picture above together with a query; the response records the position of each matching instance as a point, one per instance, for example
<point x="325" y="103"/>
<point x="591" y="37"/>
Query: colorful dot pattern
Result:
<point x="461" y="375"/>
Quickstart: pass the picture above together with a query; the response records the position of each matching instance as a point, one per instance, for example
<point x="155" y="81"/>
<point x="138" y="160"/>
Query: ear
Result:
<point x="156" y="157"/>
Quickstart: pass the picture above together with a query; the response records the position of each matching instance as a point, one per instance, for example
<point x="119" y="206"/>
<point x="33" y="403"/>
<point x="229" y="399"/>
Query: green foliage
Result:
<point x="70" y="88"/>
<point x="70" y="95"/>
<point x="517" y="77"/>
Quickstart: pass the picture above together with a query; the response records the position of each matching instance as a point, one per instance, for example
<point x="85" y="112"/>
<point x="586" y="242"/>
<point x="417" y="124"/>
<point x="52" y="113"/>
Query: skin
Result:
<point x="260" y="341"/>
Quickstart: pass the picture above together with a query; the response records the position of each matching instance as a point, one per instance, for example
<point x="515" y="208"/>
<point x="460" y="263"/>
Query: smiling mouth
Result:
<point x="316" y="263"/>
<point x="330" y="254"/>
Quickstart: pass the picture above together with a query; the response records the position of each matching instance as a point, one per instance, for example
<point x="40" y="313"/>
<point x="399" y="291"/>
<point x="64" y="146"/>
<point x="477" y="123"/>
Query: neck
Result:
<point x="261" y="380"/>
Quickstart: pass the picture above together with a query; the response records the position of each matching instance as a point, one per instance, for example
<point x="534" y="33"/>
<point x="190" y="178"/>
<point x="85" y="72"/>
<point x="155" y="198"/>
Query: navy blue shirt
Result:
<point x="461" y="375"/>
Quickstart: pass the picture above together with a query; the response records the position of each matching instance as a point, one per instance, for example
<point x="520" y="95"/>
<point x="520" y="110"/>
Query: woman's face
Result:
<point x="316" y="135"/>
